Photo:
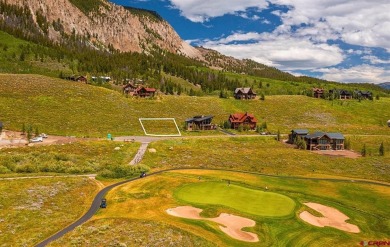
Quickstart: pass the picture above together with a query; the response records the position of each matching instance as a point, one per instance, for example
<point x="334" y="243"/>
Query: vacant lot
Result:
<point x="106" y="158"/>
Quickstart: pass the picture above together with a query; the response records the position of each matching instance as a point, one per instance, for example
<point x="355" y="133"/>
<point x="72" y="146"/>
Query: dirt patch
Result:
<point x="339" y="153"/>
<point x="17" y="139"/>
<point x="229" y="224"/>
<point x="332" y="218"/>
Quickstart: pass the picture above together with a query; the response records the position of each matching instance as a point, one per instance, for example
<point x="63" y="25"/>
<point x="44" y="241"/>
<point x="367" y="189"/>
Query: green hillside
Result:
<point x="19" y="56"/>
<point x="68" y="108"/>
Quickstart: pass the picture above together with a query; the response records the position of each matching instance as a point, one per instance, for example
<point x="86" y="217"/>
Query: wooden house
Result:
<point x="200" y="123"/>
<point x="324" y="141"/>
<point x="242" y="119"/>
<point x="129" y="88"/>
<point x="363" y="94"/>
<point x="318" y="92"/>
<point x="297" y="133"/>
<point x="145" y="92"/>
<point x="244" y="93"/>
<point x="344" y="94"/>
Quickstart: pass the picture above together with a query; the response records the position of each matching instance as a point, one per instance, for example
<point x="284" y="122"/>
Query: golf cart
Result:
<point x="103" y="203"/>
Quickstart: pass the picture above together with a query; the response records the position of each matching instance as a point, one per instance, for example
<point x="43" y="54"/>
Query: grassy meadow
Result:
<point x="98" y="157"/>
<point x="23" y="57"/>
<point x="34" y="209"/>
<point x="68" y="108"/>
<point x="135" y="215"/>
<point x="266" y="155"/>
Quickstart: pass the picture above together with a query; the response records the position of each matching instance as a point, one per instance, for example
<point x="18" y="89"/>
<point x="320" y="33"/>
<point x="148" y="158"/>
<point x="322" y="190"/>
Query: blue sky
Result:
<point x="340" y="40"/>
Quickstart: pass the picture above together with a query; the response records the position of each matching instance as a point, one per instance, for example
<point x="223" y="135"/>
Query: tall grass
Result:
<point x="265" y="155"/>
<point x="69" y="108"/>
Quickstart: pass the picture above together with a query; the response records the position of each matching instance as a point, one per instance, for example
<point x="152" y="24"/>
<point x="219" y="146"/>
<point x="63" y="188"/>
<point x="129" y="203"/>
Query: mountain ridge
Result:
<point x="105" y="25"/>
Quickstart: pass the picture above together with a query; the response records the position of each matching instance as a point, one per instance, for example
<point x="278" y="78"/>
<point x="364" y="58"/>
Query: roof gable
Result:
<point x="300" y="131"/>
<point x="244" y="90"/>
<point x="241" y="117"/>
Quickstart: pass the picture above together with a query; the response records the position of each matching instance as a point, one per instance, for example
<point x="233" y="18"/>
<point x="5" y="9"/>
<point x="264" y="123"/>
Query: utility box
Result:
<point x="109" y="137"/>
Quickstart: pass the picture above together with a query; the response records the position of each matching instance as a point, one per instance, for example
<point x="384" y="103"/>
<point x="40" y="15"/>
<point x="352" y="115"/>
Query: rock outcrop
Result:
<point x="110" y="25"/>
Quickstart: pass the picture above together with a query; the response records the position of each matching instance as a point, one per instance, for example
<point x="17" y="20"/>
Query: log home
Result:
<point x="324" y="141"/>
<point x="244" y="93"/>
<point x="200" y="123"/>
<point x="297" y="133"/>
<point x="145" y="92"/>
<point x="244" y="119"/>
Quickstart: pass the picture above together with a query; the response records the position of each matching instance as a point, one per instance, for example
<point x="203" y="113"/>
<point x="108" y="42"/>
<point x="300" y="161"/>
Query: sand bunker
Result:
<point x="230" y="224"/>
<point x="332" y="218"/>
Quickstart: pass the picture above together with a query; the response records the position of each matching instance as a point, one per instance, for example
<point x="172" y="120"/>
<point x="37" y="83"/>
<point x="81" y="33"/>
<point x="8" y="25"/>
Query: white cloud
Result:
<point x="301" y="41"/>
<point x="375" y="60"/>
<point x="201" y="11"/>
<point x="358" y="22"/>
<point x="284" y="52"/>
<point x="361" y="73"/>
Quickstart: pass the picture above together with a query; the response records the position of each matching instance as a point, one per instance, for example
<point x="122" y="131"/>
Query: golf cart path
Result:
<point x="140" y="154"/>
<point x="96" y="201"/>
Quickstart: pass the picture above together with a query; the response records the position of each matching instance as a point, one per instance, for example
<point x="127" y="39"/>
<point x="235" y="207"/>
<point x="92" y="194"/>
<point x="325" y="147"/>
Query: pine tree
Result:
<point x="347" y="144"/>
<point x="364" y="151"/>
<point x="381" y="150"/>
<point x="278" y="136"/>
<point x="23" y="129"/>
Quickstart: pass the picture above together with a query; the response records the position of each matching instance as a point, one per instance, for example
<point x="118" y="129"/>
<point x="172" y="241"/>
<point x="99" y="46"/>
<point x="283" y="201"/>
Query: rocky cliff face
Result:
<point x="109" y="25"/>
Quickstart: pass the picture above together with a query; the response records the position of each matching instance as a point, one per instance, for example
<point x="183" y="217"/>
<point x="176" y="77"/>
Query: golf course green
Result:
<point x="246" y="200"/>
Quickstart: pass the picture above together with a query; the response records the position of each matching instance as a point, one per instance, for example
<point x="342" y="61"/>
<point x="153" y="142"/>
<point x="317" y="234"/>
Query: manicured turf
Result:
<point x="240" y="198"/>
<point x="138" y="209"/>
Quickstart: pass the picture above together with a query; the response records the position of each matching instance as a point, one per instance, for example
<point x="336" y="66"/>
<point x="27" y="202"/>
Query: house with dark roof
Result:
<point x="242" y="119"/>
<point x="324" y="141"/>
<point x="363" y="94"/>
<point x="341" y="94"/>
<point x="244" y="93"/>
<point x="200" y="123"/>
<point x="297" y="133"/>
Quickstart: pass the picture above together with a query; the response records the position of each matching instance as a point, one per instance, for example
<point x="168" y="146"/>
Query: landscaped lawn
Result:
<point x="136" y="212"/>
<point x="243" y="199"/>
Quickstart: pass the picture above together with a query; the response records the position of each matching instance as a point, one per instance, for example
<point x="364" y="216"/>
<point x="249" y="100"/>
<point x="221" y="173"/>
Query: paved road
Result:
<point x="92" y="210"/>
<point x="96" y="202"/>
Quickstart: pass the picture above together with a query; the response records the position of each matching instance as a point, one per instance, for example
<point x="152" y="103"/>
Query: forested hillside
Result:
<point x="26" y="47"/>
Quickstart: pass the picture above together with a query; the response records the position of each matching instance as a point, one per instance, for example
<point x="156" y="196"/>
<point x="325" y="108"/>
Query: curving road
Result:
<point x="96" y="202"/>
<point x="145" y="141"/>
